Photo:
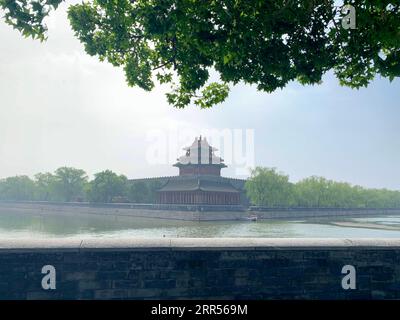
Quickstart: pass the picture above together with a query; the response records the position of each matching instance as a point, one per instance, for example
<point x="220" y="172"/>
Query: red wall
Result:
<point x="195" y="170"/>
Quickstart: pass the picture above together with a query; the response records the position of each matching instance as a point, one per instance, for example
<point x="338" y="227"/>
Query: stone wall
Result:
<point x="171" y="212"/>
<point x="200" y="268"/>
<point x="295" y="213"/>
<point x="184" y="212"/>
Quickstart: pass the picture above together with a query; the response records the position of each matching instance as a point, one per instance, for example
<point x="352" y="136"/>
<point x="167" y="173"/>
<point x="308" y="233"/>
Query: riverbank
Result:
<point x="363" y="225"/>
<point x="188" y="213"/>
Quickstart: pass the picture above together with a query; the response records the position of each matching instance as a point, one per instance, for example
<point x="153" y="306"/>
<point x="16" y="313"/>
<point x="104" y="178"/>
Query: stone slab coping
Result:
<point x="91" y="244"/>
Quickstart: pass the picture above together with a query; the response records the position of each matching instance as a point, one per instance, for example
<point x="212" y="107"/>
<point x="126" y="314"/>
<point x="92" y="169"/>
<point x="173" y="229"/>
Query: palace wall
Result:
<point x="183" y="212"/>
<point x="199" y="170"/>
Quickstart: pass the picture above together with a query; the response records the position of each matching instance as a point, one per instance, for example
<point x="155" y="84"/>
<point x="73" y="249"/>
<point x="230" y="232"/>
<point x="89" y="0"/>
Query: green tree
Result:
<point x="342" y="194"/>
<point x="45" y="186"/>
<point x="153" y="186"/>
<point x="144" y="191"/>
<point x="358" y="195"/>
<point x="138" y="192"/>
<point x="381" y="198"/>
<point x="263" y="42"/>
<point x="17" y="188"/>
<point x="313" y="192"/>
<point x="69" y="183"/>
<point x="106" y="186"/>
<point x="267" y="187"/>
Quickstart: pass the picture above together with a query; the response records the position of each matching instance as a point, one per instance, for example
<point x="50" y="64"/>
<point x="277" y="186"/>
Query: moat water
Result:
<point x="17" y="225"/>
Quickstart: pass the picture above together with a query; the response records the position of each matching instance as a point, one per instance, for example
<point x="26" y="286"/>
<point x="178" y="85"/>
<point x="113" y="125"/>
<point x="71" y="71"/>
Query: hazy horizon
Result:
<point x="61" y="107"/>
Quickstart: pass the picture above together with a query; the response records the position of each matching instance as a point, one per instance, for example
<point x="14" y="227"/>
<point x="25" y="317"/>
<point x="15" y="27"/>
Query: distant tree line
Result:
<point x="267" y="187"/>
<point x="73" y="185"/>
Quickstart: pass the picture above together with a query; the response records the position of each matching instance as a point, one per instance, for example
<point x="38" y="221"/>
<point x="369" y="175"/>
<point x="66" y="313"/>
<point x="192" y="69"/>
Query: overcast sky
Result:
<point x="61" y="107"/>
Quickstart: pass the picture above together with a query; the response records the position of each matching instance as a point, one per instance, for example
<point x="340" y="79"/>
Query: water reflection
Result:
<point x="18" y="225"/>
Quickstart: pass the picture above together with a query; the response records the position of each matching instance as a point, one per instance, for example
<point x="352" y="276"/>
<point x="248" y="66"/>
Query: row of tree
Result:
<point x="70" y="184"/>
<point x="267" y="187"/>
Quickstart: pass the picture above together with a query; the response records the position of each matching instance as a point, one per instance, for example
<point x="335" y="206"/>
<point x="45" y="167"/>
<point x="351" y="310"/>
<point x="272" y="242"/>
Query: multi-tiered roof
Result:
<point x="199" y="180"/>
<point x="200" y="159"/>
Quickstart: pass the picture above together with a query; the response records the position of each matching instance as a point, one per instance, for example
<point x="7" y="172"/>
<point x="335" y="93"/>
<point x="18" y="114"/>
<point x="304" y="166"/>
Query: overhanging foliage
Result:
<point x="267" y="43"/>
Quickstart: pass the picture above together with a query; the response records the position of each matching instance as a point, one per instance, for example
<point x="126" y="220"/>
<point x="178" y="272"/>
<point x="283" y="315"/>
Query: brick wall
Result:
<point x="184" y="212"/>
<point x="200" y="268"/>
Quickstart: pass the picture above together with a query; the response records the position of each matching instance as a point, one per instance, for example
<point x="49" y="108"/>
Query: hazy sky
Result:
<point x="59" y="106"/>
